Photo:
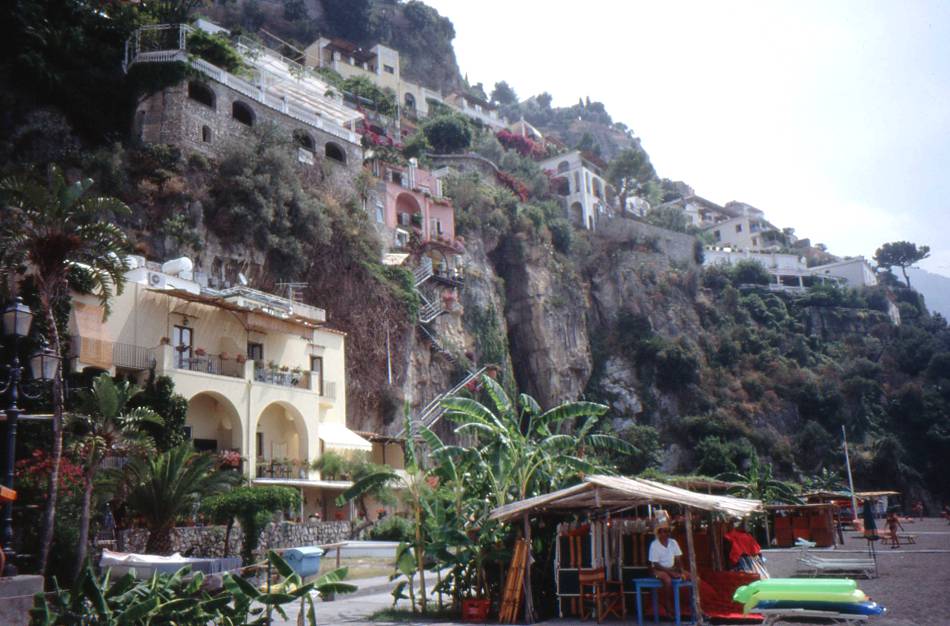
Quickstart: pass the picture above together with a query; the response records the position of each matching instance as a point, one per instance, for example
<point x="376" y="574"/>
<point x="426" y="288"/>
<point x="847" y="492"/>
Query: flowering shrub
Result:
<point x="230" y="459"/>
<point x="32" y="476"/>
<point x="514" y="184"/>
<point x="522" y="145"/>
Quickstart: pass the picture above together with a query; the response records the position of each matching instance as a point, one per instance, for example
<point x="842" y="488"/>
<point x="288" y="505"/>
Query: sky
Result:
<point x="832" y="117"/>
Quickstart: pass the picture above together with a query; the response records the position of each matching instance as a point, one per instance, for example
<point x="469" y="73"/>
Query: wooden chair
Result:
<point x="606" y="595"/>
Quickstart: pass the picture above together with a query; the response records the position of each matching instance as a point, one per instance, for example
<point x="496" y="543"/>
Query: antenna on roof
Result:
<point x="294" y="291"/>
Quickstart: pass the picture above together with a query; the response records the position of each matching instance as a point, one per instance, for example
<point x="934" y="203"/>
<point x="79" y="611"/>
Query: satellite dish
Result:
<point x="242" y="279"/>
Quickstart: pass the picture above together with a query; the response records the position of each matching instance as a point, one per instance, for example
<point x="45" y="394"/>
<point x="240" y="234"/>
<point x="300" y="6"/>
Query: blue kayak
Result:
<point x="855" y="608"/>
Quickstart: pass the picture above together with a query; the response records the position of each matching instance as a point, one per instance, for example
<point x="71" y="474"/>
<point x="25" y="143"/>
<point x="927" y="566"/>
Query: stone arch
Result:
<point x="335" y="152"/>
<point x="305" y="140"/>
<point x="563" y="166"/>
<point x="577" y="214"/>
<point x="202" y="93"/>
<point x="281" y="431"/>
<point x="410" y="101"/>
<point x="214" y="422"/>
<point x="243" y="113"/>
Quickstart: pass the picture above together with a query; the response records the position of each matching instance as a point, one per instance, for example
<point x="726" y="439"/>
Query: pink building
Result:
<point x="413" y="204"/>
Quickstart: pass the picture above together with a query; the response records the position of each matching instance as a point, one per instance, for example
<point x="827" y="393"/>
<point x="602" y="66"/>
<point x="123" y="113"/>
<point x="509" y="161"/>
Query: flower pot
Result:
<point x="475" y="609"/>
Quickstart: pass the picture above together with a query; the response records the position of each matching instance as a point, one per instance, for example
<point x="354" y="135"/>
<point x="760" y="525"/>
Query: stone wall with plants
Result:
<point x="208" y="541"/>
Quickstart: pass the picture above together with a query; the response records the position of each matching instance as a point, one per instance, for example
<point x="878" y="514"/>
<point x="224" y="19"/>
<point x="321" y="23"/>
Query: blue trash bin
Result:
<point x="304" y="560"/>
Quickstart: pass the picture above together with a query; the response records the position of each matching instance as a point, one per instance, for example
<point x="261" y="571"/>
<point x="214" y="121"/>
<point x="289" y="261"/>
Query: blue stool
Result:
<point x="653" y="585"/>
<point x="677" y="585"/>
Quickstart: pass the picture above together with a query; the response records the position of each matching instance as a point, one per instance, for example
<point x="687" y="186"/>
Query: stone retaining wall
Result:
<point x="208" y="541"/>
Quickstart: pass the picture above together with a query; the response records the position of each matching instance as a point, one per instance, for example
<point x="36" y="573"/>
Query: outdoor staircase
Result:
<point x="433" y="411"/>
<point x="431" y="307"/>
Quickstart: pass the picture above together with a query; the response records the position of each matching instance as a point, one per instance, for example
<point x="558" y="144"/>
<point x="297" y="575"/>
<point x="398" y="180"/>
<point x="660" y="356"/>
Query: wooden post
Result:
<point x="528" y="600"/>
<point x="768" y="537"/>
<point x="693" y="570"/>
<point x="831" y="526"/>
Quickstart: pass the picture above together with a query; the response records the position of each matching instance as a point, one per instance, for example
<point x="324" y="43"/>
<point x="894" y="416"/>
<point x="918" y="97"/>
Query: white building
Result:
<point x="585" y="193"/>
<point x="854" y="272"/>
<point x="477" y="109"/>
<point x="380" y="64"/>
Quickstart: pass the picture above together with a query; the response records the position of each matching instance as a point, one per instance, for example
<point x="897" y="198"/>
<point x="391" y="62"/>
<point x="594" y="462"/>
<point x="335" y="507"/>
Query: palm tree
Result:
<point x="758" y="483"/>
<point x="106" y="430"/>
<point x="162" y="488"/>
<point x="49" y="229"/>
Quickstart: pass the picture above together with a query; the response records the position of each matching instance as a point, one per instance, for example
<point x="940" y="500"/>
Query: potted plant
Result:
<point x="200" y="352"/>
<point x="164" y="341"/>
<point x="240" y="358"/>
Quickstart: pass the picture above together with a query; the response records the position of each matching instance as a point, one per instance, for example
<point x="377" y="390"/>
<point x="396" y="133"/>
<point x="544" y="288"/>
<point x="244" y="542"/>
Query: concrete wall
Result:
<point x="679" y="247"/>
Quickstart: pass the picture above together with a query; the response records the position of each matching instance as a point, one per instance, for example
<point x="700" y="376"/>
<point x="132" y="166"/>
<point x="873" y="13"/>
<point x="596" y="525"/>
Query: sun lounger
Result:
<point x="775" y="616"/>
<point x="811" y="564"/>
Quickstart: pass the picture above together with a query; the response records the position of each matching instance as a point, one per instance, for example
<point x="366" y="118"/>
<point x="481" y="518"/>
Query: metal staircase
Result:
<point x="433" y="411"/>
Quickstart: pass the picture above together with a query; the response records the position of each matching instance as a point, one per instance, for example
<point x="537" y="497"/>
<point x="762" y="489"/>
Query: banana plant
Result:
<point x="181" y="599"/>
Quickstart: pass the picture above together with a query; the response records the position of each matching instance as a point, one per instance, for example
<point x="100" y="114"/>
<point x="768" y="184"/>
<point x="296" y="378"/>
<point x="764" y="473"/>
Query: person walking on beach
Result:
<point x="893" y="523"/>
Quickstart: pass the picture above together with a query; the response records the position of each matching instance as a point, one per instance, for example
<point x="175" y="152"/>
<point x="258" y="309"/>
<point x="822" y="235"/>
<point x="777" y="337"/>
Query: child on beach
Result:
<point x="892" y="525"/>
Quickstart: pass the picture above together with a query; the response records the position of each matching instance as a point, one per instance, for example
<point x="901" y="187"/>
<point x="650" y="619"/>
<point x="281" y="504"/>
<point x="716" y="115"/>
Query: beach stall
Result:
<point x="811" y="522"/>
<point x="605" y="529"/>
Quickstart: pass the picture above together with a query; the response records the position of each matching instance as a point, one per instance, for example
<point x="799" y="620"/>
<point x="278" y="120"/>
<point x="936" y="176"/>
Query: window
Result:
<point x="205" y="445"/>
<point x="397" y="177"/>
<point x="242" y="113"/>
<point x="389" y="69"/>
<point x="316" y="371"/>
<point x="201" y="93"/>
<point x="260" y="445"/>
<point x="182" y="341"/>
<point x="335" y="152"/>
<point x="379" y="212"/>
<point x="738" y="228"/>
<point x="206" y="134"/>
<point x="304" y="140"/>
<point x="755" y="242"/>
<point x="255" y="352"/>
<point x="718" y="235"/>
<point x="563" y="166"/>
<point x="410" y="101"/>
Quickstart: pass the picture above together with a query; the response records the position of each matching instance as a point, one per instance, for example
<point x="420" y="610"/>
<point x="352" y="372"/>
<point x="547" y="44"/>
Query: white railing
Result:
<point x="134" y="54"/>
<point x="433" y="411"/>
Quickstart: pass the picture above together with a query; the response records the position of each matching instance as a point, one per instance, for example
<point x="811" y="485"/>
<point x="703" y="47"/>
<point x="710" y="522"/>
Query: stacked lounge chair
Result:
<point x="835" y="599"/>
<point x="811" y="564"/>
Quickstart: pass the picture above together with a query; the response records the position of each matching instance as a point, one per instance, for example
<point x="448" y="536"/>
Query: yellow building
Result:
<point x="263" y="374"/>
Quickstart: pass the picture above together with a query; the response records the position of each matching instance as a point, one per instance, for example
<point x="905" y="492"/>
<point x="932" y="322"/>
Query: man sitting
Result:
<point x="665" y="564"/>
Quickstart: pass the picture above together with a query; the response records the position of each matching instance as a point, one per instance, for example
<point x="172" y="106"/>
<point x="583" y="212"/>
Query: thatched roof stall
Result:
<point x="618" y="493"/>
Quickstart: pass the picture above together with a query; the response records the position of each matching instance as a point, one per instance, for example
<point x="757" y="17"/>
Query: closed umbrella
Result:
<point x="870" y="527"/>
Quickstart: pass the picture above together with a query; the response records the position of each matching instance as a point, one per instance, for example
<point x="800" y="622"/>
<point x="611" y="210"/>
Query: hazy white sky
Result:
<point x="833" y="117"/>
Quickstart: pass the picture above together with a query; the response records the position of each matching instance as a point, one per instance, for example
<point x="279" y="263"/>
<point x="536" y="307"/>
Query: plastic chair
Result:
<point x="653" y="585"/>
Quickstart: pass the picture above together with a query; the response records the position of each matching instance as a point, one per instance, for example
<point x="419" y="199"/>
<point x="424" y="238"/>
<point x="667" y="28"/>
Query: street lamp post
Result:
<point x="44" y="364"/>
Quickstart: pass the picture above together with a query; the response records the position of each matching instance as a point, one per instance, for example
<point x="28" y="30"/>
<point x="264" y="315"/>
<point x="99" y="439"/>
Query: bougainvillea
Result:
<point x="32" y="475"/>
<point x="514" y="184"/>
<point x="522" y="145"/>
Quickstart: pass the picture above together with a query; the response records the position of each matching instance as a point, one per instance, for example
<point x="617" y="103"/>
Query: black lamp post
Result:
<point x="44" y="364"/>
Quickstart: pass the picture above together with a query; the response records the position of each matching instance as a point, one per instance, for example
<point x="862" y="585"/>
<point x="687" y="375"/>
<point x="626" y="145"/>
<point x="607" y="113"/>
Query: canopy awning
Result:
<point x="91" y="342"/>
<point x="617" y="492"/>
<point x="339" y="437"/>
<point x="334" y="485"/>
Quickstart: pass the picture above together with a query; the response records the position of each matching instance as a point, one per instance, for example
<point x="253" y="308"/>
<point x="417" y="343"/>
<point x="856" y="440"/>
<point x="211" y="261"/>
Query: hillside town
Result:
<point x="308" y="305"/>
